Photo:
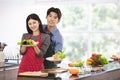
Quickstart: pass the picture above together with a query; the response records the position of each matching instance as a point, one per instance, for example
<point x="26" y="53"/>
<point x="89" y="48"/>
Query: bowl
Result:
<point x="74" y="71"/>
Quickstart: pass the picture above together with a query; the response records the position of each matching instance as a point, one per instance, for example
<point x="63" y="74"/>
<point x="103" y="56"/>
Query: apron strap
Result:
<point x="29" y="36"/>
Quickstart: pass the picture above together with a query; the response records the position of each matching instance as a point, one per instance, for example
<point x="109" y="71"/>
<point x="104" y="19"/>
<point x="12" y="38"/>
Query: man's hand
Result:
<point x="57" y="62"/>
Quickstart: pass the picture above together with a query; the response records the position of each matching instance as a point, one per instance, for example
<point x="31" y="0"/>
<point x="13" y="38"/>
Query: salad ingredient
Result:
<point x="59" y="55"/>
<point x="26" y="42"/>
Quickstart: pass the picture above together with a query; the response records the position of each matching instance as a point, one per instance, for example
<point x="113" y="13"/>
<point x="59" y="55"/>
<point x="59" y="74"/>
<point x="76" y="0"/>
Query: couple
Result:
<point x="49" y="38"/>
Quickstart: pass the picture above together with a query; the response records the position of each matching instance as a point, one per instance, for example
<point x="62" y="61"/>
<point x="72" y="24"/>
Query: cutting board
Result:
<point x="38" y="73"/>
<point x="54" y="70"/>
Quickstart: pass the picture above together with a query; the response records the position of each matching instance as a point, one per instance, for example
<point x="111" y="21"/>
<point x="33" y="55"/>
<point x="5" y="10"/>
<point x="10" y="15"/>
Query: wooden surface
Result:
<point x="55" y="70"/>
<point x="39" y="73"/>
<point x="34" y="78"/>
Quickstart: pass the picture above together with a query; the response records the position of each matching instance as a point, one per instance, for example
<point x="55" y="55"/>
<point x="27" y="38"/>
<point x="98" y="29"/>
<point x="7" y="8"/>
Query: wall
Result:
<point x="13" y="23"/>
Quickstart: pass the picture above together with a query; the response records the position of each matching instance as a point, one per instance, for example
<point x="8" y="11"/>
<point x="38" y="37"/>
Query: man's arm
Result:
<point x="58" y="43"/>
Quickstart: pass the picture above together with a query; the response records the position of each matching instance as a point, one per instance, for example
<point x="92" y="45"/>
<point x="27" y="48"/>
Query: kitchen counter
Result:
<point x="6" y="65"/>
<point x="110" y="71"/>
<point x="8" y="71"/>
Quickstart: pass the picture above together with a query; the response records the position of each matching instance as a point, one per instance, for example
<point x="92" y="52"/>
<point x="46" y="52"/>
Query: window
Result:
<point x="91" y="28"/>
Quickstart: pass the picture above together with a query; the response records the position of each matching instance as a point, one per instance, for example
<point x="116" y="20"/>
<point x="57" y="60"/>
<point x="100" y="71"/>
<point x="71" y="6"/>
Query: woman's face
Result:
<point x="33" y="25"/>
<point x="52" y="19"/>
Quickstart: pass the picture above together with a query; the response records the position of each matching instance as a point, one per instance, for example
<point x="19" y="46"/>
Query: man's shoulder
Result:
<point x="57" y="32"/>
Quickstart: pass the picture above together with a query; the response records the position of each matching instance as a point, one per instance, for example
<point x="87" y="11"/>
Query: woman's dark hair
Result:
<point x="35" y="17"/>
<point x="56" y="10"/>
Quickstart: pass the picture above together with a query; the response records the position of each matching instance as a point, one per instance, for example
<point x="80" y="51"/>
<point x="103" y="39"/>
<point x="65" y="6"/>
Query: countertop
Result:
<point x="109" y="69"/>
<point x="6" y="66"/>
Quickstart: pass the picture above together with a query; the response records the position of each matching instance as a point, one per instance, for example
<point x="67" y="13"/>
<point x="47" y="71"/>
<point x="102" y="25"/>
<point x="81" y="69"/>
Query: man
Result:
<point x="53" y="18"/>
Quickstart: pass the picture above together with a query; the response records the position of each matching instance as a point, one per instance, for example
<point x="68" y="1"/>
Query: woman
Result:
<point x="32" y="59"/>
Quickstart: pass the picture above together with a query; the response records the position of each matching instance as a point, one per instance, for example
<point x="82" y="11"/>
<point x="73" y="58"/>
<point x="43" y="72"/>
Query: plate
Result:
<point x="35" y="43"/>
<point x="52" y="59"/>
<point x="28" y="45"/>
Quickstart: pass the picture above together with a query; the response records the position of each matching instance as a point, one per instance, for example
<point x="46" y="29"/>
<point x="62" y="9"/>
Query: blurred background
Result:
<point x="87" y="26"/>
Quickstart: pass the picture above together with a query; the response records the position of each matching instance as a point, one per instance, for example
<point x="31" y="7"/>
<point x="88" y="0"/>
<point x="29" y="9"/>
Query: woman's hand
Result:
<point x="57" y="62"/>
<point x="37" y="50"/>
<point x="23" y="49"/>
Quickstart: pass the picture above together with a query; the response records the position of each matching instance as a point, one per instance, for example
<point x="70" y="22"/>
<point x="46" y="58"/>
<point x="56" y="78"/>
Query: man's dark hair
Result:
<point x="56" y="10"/>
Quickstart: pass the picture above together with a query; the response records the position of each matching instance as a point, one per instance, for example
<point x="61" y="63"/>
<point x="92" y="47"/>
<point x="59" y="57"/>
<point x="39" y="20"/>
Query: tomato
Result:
<point x="94" y="54"/>
<point x="118" y="58"/>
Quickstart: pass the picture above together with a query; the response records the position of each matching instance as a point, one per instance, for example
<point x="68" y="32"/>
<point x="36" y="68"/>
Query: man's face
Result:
<point x="52" y="19"/>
